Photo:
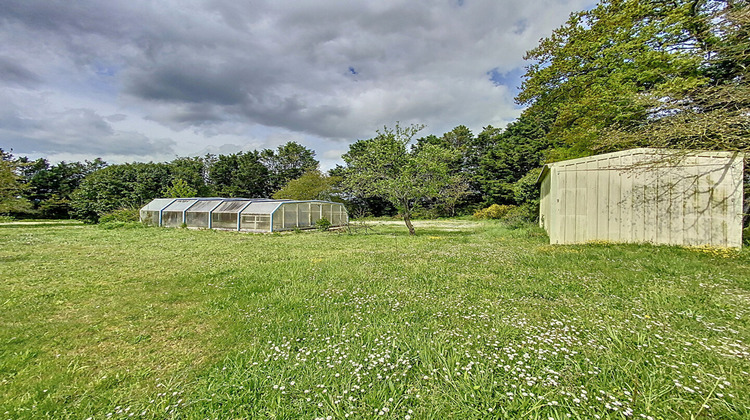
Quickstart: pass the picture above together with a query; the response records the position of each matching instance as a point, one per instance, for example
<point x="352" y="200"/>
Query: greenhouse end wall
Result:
<point x="242" y="214"/>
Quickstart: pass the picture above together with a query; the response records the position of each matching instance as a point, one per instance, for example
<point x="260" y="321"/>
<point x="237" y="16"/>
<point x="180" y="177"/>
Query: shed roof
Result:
<point x="223" y="205"/>
<point x="640" y="151"/>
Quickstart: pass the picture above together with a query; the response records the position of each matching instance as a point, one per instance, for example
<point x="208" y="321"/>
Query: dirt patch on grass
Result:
<point x="448" y="225"/>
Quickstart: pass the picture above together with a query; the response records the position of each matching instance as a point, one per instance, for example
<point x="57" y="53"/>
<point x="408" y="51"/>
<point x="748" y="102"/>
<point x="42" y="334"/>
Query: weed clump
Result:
<point x="495" y="211"/>
<point x="323" y="224"/>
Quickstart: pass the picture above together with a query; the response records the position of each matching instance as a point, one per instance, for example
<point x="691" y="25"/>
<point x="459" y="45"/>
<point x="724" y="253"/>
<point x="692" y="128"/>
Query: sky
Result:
<point x="133" y="80"/>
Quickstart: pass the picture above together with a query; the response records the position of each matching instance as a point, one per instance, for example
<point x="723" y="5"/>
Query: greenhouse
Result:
<point x="242" y="214"/>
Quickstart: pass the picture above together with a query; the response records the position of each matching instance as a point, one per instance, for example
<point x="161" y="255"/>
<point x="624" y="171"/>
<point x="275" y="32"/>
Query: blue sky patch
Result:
<point x="511" y="79"/>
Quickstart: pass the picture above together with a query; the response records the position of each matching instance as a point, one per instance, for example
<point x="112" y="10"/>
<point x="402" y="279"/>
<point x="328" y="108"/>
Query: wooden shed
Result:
<point x="645" y="195"/>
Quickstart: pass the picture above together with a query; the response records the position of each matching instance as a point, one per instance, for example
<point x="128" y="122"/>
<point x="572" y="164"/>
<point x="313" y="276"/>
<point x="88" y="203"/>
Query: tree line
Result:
<point x="462" y="171"/>
<point x="626" y="73"/>
<point x="88" y="190"/>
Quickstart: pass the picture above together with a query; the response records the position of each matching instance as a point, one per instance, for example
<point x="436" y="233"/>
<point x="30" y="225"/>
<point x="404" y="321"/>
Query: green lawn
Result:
<point x="465" y="320"/>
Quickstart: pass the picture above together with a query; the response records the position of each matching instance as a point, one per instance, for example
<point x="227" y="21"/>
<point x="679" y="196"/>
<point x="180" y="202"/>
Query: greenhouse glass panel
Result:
<point x="150" y="212"/>
<point x="304" y="215"/>
<point x="314" y="213"/>
<point x="231" y="206"/>
<point x="256" y="222"/>
<point x="172" y="216"/>
<point x="150" y="217"/>
<point x="327" y="211"/>
<point x="225" y="216"/>
<point x="290" y="215"/>
<point x="335" y="215"/>
<point x="224" y="221"/>
<point x="197" y="215"/>
<point x="278" y="219"/>
<point x="261" y="207"/>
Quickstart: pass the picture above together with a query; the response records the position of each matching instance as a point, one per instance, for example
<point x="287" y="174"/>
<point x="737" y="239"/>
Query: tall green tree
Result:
<point x="460" y="140"/>
<point x="593" y="72"/>
<point x="715" y="115"/>
<point x="179" y="188"/>
<point x="507" y="155"/>
<point x="385" y="166"/>
<point x="240" y="175"/>
<point x="289" y="161"/>
<point x="11" y="186"/>
<point x="193" y="171"/>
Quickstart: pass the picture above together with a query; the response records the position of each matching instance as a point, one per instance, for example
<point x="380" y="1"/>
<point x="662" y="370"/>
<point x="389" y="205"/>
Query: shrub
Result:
<point x="511" y="216"/>
<point x="323" y="224"/>
<point x="121" y="215"/>
<point x="495" y="211"/>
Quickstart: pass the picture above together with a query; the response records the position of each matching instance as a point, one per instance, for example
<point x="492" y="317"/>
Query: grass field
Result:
<point x="465" y="320"/>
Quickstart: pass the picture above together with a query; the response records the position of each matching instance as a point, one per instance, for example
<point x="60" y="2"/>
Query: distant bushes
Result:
<point x="512" y="216"/>
<point x="127" y="218"/>
<point x="495" y="211"/>
<point x="121" y="215"/>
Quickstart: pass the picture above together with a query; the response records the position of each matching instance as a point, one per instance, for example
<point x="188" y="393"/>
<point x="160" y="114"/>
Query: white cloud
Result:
<point x="142" y="80"/>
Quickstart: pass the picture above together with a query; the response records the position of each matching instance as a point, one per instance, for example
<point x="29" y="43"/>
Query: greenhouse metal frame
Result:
<point x="242" y="214"/>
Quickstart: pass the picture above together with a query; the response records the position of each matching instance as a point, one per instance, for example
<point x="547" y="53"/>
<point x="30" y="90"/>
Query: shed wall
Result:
<point x="645" y="195"/>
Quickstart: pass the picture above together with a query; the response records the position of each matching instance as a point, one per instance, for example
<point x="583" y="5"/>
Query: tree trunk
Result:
<point x="407" y="220"/>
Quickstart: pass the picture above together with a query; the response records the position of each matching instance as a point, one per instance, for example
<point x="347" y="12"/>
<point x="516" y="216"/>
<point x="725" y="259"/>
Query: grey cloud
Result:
<point x="16" y="74"/>
<point x="116" y="117"/>
<point x="214" y="65"/>
<point x="76" y="131"/>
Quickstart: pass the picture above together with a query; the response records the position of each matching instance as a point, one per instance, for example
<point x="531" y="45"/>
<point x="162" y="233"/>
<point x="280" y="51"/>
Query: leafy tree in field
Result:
<point x="462" y="170"/>
<point x="360" y="206"/>
<point x="240" y="175"/>
<point x="11" y="186"/>
<point x="594" y="72"/>
<point x="312" y="185"/>
<point x="119" y="186"/>
<point x="289" y="161"/>
<point x="385" y="167"/>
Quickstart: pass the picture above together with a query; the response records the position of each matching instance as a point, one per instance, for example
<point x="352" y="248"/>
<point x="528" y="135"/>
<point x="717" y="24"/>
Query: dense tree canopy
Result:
<point x="631" y="64"/>
<point x="11" y="186"/>
<point x="118" y="186"/>
<point x="289" y="161"/>
<point x="312" y="185"/>
<point x="239" y="175"/>
<point x="49" y="187"/>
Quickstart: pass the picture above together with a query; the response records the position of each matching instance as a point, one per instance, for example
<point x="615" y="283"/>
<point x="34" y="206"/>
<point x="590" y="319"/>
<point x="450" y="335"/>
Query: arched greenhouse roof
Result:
<point x="242" y="214"/>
